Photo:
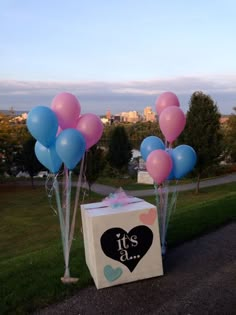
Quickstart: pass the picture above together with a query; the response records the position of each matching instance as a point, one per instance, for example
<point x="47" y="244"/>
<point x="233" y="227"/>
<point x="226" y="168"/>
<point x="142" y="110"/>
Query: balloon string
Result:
<point x="49" y="191"/>
<point x="60" y="211"/>
<point x="159" y="204"/>
<point x="164" y="205"/>
<point x="67" y="225"/>
<point x="85" y="185"/>
<point x="65" y="188"/>
<point x="79" y="184"/>
<point x="171" y="207"/>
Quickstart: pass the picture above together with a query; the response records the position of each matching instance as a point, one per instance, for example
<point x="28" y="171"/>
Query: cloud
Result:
<point x="98" y="97"/>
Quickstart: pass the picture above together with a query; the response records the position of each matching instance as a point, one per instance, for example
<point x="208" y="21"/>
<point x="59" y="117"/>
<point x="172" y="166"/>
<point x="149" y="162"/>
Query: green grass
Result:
<point x="31" y="260"/>
<point x="201" y="213"/>
<point x="32" y="280"/>
<point x="201" y="219"/>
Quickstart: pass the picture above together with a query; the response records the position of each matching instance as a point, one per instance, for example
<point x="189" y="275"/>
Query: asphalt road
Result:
<point x="106" y="190"/>
<point x="200" y="278"/>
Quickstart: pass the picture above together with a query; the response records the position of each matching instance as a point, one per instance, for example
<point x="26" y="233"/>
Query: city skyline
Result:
<point x="98" y="97"/>
<point x="117" y="55"/>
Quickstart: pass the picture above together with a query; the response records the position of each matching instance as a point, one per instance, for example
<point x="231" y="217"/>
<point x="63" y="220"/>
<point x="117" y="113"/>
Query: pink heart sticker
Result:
<point x="148" y="218"/>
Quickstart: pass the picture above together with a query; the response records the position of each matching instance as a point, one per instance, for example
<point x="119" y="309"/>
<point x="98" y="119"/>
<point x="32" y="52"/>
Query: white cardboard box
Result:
<point x="121" y="244"/>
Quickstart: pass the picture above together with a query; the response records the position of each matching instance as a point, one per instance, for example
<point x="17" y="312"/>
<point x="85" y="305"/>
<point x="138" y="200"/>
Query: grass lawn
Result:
<point x="31" y="260"/>
<point x="201" y="213"/>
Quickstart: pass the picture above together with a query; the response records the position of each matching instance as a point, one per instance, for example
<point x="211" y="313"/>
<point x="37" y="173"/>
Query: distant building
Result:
<point x="19" y="119"/>
<point x="108" y="114"/>
<point x="132" y="116"/>
<point x="224" y="119"/>
<point x="148" y="114"/>
<point x="105" y="121"/>
<point x="116" y="118"/>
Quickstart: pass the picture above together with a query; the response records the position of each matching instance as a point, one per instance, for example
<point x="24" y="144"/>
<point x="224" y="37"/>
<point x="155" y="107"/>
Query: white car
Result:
<point x="42" y="174"/>
<point x="23" y="174"/>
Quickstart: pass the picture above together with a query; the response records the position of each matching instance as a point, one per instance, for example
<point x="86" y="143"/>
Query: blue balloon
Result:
<point x="48" y="157"/>
<point x="184" y="159"/>
<point x="70" y="146"/>
<point x="42" y="123"/>
<point x="150" y="144"/>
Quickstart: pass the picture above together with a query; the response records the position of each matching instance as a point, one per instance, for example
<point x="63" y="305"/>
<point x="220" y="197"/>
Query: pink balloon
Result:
<point x="159" y="165"/>
<point x="166" y="99"/>
<point x="67" y="108"/>
<point x="91" y="127"/>
<point x="172" y="122"/>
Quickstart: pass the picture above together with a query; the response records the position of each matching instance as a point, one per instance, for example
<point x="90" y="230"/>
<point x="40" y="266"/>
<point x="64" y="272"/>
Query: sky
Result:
<point x="116" y="55"/>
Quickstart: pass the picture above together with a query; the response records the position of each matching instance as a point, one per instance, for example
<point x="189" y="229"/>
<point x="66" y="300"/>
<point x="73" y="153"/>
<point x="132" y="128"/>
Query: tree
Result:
<point x="203" y="132"/>
<point x="140" y="130"/>
<point x="230" y="135"/>
<point x="30" y="161"/>
<point x="135" y="132"/>
<point x="94" y="164"/>
<point x="119" y="150"/>
<point x="12" y="136"/>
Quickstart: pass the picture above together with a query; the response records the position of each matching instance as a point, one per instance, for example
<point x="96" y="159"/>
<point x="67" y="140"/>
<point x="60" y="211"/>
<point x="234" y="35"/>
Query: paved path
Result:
<point x="106" y="190"/>
<point x="200" y="278"/>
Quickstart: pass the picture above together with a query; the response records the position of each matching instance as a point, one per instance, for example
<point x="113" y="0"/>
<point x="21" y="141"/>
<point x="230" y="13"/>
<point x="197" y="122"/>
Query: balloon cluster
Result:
<point x="62" y="133"/>
<point x="163" y="162"/>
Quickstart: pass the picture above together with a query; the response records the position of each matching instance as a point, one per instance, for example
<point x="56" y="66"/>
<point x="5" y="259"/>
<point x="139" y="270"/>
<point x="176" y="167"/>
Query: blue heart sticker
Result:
<point x="112" y="274"/>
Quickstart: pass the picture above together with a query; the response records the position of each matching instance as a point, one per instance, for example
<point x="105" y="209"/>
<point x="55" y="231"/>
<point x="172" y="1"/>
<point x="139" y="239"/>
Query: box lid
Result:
<point x="101" y="208"/>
